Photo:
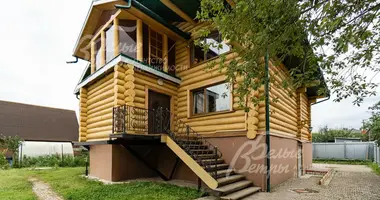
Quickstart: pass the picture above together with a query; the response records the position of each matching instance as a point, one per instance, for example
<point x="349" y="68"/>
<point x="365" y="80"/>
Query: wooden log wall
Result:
<point x="119" y="88"/>
<point x="99" y="104"/>
<point x="199" y="76"/>
<point x="252" y="118"/>
<point x="290" y="113"/>
<point x="82" y="115"/>
<point x="305" y="117"/>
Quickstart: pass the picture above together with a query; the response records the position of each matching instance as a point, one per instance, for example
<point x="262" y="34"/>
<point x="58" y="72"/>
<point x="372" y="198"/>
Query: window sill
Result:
<point x="210" y="114"/>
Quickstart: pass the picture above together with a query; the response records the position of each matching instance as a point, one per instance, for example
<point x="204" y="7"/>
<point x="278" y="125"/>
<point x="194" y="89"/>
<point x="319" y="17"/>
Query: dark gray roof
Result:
<point x="37" y="123"/>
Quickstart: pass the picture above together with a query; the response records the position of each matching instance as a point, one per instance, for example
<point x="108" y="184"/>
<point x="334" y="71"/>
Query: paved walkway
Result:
<point x="349" y="182"/>
<point x="43" y="191"/>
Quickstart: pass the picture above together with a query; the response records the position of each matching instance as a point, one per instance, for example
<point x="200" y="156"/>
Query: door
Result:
<point x="155" y="101"/>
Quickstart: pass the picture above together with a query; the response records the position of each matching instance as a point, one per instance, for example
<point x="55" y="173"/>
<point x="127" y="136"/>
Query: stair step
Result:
<point x="205" y="156"/>
<point x="223" y="173"/>
<point x="211" y="161"/>
<point x="189" y="142"/>
<point x="233" y="187"/>
<point x="230" y="179"/>
<point x="218" y="167"/>
<point x="241" y="193"/>
<point x="196" y="146"/>
<point x="202" y="151"/>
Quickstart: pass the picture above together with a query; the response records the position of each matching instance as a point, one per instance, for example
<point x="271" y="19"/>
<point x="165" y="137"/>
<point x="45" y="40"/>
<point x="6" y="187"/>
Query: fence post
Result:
<point x="61" y="152"/>
<point x="20" y="161"/>
<point x="345" y="149"/>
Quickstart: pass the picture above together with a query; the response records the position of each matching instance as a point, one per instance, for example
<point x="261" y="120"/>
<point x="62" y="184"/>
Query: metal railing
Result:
<point x="192" y="142"/>
<point x="133" y="119"/>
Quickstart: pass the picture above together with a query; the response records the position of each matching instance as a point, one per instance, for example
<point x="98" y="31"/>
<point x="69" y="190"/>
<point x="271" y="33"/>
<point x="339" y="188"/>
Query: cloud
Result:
<point x="341" y="114"/>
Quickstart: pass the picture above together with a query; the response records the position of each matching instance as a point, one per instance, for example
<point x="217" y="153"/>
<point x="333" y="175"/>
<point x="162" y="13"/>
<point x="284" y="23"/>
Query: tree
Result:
<point x="339" y="37"/>
<point x="10" y="144"/>
<point x="328" y="135"/>
<point x="372" y="125"/>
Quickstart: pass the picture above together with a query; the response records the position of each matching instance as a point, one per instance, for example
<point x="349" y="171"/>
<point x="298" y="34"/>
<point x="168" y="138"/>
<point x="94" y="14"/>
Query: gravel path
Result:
<point x="348" y="182"/>
<point x="43" y="190"/>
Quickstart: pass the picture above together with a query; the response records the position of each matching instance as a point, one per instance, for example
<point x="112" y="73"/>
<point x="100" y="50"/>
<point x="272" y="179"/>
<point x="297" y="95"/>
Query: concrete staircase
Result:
<point x="231" y="185"/>
<point x="204" y="159"/>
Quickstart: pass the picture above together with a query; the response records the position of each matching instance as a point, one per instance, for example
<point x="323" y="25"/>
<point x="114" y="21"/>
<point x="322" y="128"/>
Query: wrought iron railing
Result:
<point x="132" y="119"/>
<point x="135" y="120"/>
<point x="191" y="141"/>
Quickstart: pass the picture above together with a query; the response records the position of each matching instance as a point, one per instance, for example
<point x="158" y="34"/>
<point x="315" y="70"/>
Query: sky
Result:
<point x="37" y="38"/>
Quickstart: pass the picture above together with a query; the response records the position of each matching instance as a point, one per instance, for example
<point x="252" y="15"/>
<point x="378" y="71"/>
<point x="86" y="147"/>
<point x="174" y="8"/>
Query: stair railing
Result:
<point x="191" y="141"/>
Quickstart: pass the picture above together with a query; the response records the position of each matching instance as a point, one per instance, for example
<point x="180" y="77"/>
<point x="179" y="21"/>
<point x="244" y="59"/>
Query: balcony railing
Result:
<point x="129" y="119"/>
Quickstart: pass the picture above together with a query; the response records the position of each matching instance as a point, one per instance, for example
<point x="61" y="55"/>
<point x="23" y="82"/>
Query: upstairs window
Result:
<point x="216" y="47"/>
<point x="98" y="53"/>
<point x="127" y="38"/>
<point x="155" y="51"/>
<point x="211" y="99"/>
<point x="110" y="47"/>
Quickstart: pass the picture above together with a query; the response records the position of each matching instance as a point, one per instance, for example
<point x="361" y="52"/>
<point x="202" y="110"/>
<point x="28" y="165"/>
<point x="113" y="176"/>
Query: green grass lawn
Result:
<point x="14" y="185"/>
<point x="68" y="183"/>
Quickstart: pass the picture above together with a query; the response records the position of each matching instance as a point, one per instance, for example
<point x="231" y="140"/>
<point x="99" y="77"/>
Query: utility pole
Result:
<point x="267" y="135"/>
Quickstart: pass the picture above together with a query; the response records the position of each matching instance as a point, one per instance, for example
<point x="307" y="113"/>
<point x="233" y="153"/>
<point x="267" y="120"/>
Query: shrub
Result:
<point x="54" y="161"/>
<point x="3" y="161"/>
<point x="375" y="167"/>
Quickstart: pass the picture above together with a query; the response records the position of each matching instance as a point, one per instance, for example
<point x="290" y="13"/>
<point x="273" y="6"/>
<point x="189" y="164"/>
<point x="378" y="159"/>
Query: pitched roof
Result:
<point x="38" y="123"/>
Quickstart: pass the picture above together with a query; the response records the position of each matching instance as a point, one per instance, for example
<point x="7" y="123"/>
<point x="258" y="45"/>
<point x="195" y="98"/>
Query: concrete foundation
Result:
<point x="248" y="157"/>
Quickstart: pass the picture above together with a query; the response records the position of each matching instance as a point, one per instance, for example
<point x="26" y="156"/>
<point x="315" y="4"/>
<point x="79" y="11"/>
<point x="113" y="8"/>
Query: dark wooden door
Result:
<point x="155" y="101"/>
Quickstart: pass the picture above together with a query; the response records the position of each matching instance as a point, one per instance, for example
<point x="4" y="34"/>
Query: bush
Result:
<point x="55" y="161"/>
<point x="375" y="167"/>
<point x="3" y="161"/>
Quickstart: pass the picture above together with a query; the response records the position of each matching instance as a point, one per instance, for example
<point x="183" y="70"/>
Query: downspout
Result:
<point x="72" y="62"/>
<point x="267" y="128"/>
<point x="129" y="4"/>
<point x="327" y="98"/>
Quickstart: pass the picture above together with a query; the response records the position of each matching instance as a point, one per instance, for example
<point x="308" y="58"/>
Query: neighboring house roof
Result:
<point x="37" y="123"/>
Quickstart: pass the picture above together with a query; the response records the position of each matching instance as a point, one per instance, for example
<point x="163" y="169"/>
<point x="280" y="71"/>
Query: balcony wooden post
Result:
<point x="93" y="57"/>
<point x="103" y="49"/>
<point x="165" y="52"/>
<point x="116" y="39"/>
<point x="139" y="40"/>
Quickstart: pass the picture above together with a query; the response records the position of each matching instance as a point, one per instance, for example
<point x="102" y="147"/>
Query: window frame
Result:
<point x="192" y="50"/>
<point x="150" y="46"/>
<point x="191" y="113"/>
